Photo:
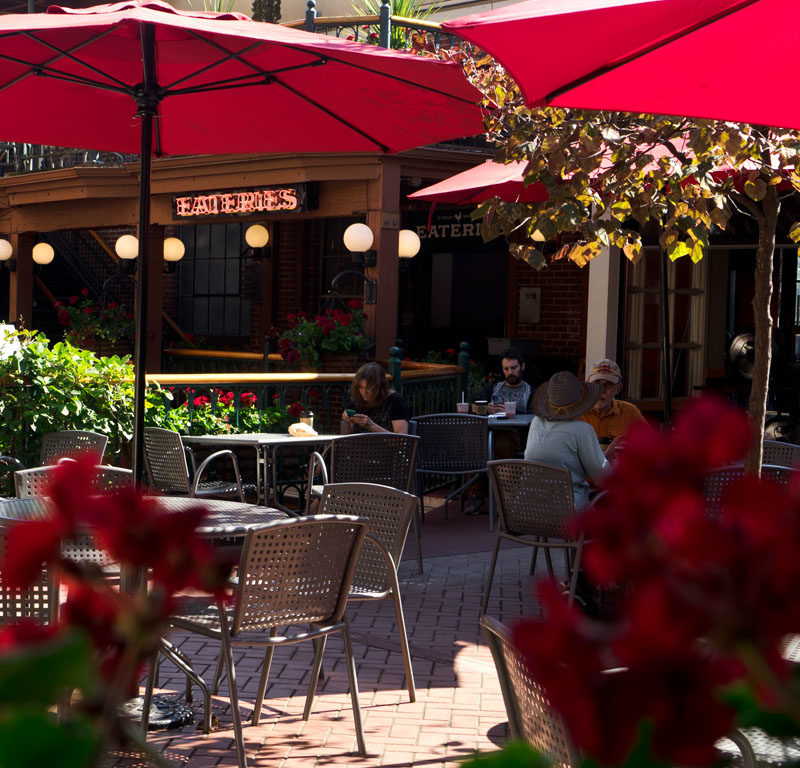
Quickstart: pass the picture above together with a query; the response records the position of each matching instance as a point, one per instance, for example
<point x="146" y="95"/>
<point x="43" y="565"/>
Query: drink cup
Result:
<point x="480" y="407"/>
<point x="462" y="407"/>
<point x="511" y="407"/>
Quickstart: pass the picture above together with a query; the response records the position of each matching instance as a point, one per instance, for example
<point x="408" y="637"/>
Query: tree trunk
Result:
<point x="763" y="326"/>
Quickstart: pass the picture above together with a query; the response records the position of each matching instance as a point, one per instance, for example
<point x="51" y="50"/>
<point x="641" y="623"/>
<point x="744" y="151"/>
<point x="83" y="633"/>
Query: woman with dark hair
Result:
<point x="374" y="406"/>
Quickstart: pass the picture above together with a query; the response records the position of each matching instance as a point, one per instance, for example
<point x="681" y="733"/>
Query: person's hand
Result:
<point x="617" y="445"/>
<point x="496" y="408"/>
<point x="362" y="420"/>
<point x="345" y="417"/>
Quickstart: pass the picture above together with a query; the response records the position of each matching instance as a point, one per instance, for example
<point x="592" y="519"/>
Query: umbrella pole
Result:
<point x="147" y="107"/>
<point x="667" y="357"/>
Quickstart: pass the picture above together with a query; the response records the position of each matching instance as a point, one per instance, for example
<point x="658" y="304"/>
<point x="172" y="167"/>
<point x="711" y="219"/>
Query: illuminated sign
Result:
<point x="287" y="198"/>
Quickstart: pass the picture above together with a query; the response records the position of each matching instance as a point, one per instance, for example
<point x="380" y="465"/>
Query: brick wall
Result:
<point x="562" y="319"/>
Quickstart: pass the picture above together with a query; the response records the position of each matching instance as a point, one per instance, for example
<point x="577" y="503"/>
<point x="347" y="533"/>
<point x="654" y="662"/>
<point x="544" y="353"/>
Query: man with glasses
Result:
<point x="610" y="417"/>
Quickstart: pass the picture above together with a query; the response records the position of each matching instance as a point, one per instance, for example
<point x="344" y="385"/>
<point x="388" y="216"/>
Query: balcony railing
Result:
<point x="18" y="158"/>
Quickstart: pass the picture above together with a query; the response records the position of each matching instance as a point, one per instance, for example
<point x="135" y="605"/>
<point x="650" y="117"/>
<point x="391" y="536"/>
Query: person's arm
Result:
<point x="591" y="455"/>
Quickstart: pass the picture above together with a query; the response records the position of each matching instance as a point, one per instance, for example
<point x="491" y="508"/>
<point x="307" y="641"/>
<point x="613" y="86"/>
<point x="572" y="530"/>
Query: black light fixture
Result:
<point x="174" y="249"/>
<point x="127" y="248"/>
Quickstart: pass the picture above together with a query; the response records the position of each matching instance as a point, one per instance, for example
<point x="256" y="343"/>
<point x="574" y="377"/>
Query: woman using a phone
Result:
<point x="374" y="406"/>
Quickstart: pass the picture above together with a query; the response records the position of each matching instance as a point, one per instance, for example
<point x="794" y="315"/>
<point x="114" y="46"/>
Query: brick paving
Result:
<point x="459" y="707"/>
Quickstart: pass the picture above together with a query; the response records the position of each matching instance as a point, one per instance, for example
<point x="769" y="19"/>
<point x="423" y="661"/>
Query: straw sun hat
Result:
<point x="564" y="397"/>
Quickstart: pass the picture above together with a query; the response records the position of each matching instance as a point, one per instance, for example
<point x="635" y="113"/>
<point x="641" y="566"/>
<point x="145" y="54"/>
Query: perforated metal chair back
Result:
<point x="533" y="498"/>
<point x="297" y="572"/>
<point x="38" y="602"/>
<point x="382" y="458"/>
<point x="781" y="454"/>
<point x="717" y="482"/>
<point x="165" y="459"/>
<point x="452" y="443"/>
<point x="531" y="717"/>
<point x="71" y="443"/>
<point x="389" y="512"/>
<point x="35" y="482"/>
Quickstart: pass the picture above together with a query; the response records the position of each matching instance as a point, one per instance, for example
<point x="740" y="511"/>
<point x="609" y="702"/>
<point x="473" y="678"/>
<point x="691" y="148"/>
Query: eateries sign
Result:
<point x="289" y="198"/>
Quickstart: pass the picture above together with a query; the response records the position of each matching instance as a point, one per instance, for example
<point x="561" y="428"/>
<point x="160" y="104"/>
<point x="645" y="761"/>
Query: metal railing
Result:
<point x="18" y="158"/>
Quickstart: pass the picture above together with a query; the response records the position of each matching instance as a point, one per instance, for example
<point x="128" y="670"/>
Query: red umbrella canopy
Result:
<point x="223" y="83"/>
<point x="718" y="59"/>
<point x="490" y="179"/>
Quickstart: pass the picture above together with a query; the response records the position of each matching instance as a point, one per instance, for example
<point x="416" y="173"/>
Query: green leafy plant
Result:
<point x="407" y="9"/>
<point x="334" y="331"/>
<point x="477" y="375"/>
<point x="84" y="319"/>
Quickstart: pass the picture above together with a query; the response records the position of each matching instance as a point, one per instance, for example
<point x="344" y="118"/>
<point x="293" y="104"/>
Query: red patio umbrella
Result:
<point x="671" y="57"/>
<point x="139" y="76"/>
<point x="489" y="179"/>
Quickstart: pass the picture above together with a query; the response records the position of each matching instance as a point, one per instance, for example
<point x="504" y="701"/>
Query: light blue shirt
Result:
<point x="569" y="444"/>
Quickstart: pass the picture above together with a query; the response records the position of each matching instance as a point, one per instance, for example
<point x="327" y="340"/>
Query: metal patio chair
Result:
<point x="38" y="602"/>
<point x="291" y="572"/>
<point x="168" y="469"/>
<point x="62" y="445"/>
<point x="381" y="458"/>
<point x="781" y="454"/>
<point x="531" y="717"/>
<point x="535" y="504"/>
<point x="34" y="482"/>
<point x="718" y="480"/>
<point x="452" y="445"/>
<point x="389" y="512"/>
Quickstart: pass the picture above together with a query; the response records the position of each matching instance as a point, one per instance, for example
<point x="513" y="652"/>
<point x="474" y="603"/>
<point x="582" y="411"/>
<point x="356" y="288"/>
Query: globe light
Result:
<point x="174" y="249"/>
<point x="127" y="247"/>
<point x="358" y="238"/>
<point x="43" y="253"/>
<point x="408" y="244"/>
<point x="256" y="236"/>
<point x="5" y="249"/>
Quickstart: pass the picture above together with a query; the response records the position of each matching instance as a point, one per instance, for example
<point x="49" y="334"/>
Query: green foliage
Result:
<point x="48" y="389"/>
<point x="407" y="9"/>
<point x="334" y="331"/>
<point x="84" y="319"/>
<point x="477" y="374"/>
<point x="612" y="176"/>
<point x="266" y="10"/>
<point x="516" y="754"/>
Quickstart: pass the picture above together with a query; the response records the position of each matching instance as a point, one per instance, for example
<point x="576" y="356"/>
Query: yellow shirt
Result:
<point x="616" y="421"/>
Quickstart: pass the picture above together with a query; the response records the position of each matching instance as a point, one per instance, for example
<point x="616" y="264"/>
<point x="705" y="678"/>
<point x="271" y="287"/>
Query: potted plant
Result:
<point x="106" y="329"/>
<point x="308" y="341"/>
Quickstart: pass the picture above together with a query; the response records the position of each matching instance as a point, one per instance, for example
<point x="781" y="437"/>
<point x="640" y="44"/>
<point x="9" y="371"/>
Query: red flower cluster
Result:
<point x="703" y="595"/>
<point x="135" y="531"/>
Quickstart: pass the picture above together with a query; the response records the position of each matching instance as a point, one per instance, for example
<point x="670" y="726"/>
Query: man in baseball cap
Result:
<point x="610" y="417"/>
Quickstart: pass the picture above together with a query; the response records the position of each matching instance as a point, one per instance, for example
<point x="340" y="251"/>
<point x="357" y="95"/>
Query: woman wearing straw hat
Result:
<point x="557" y="436"/>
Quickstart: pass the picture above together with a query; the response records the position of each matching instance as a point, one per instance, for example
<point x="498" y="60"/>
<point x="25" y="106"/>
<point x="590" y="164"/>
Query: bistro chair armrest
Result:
<point x="10" y="463"/>
<point x="316" y="460"/>
<point x="189" y="452"/>
<point x="226" y="452"/>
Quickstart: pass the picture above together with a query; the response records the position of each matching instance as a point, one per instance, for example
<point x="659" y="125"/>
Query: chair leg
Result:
<point x="152" y="674"/>
<point x="233" y="695"/>
<point x="218" y="673"/>
<point x="262" y="683"/>
<point x="488" y="588"/>
<point x="401" y="630"/>
<point x="185" y="665"/>
<point x="534" y="556"/>
<point x="351" y="673"/>
<point x="549" y="561"/>
<point x="319" y="650"/>
<point x="418" y="533"/>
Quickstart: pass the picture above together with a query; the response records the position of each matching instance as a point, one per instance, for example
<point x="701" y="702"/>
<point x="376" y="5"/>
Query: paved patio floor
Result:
<point x="459" y="707"/>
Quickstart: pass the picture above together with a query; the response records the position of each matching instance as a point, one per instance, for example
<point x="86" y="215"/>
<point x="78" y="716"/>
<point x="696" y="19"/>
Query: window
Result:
<point x="209" y="281"/>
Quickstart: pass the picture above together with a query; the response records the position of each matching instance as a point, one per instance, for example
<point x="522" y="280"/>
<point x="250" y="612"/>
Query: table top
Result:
<point x="520" y="420"/>
<point x="224" y="518"/>
<point x="264" y="439"/>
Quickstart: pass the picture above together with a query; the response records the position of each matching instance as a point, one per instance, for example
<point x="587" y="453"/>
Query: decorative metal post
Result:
<point x="311" y="14"/>
<point x="267" y="351"/>
<point x="396" y="368"/>
<point x="385" y="28"/>
<point x="463" y="361"/>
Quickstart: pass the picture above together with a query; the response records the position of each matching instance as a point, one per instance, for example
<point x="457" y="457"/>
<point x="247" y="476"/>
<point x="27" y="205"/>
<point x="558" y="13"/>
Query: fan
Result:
<point x="742" y="354"/>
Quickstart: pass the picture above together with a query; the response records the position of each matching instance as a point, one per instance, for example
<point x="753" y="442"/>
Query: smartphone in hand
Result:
<point x="350" y="411"/>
